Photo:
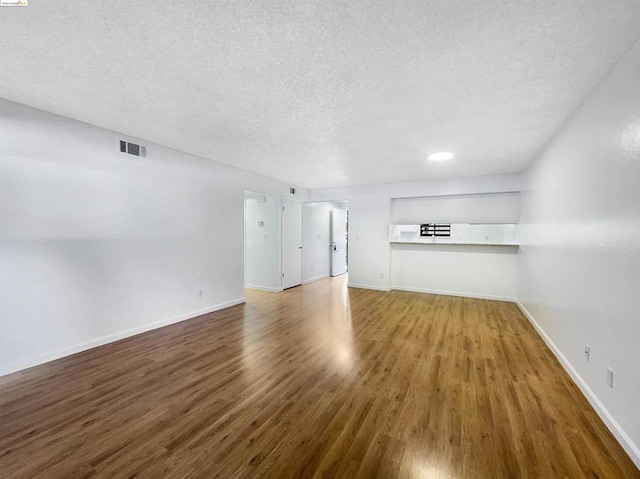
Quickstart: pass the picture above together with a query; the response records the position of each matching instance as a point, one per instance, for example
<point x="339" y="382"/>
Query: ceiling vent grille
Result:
<point x="133" y="149"/>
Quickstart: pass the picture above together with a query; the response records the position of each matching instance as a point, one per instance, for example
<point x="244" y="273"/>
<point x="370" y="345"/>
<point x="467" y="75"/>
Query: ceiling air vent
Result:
<point x="133" y="149"/>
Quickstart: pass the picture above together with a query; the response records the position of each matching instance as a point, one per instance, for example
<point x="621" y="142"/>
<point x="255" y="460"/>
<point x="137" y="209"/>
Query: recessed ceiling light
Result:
<point x="440" y="156"/>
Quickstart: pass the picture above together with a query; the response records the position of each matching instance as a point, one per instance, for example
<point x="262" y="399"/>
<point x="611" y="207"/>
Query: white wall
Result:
<point x="316" y="238"/>
<point x="262" y="260"/>
<point x="370" y="216"/>
<point x="478" y="208"/>
<point x="478" y="271"/>
<point x="96" y="244"/>
<point x="580" y="265"/>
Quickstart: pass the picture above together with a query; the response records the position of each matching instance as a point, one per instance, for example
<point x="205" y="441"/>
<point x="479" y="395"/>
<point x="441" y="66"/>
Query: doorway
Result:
<point x="262" y="241"/>
<point x="339" y="232"/>
<point x="318" y="241"/>
<point x="291" y="243"/>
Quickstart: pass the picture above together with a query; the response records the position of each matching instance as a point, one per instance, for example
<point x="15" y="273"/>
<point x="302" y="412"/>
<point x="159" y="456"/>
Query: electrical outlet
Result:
<point x="610" y="377"/>
<point x="587" y="351"/>
<point x="200" y="294"/>
<point x="381" y="275"/>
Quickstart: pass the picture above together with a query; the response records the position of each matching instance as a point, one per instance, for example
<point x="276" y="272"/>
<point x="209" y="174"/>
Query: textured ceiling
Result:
<point x="320" y="93"/>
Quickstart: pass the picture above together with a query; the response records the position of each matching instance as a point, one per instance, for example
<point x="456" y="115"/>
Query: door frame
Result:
<point x="328" y="245"/>
<point x="282" y="236"/>
<point x="244" y="238"/>
<point x="346" y="243"/>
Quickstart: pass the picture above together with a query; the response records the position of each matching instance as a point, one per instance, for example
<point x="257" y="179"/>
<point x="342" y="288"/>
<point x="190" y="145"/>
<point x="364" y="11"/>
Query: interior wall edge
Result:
<point x="111" y="338"/>
<point x="456" y="195"/>
<point x="614" y="427"/>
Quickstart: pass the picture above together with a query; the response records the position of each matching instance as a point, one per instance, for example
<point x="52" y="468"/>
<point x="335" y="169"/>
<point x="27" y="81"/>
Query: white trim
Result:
<point x="263" y="288"/>
<point x="315" y="278"/>
<point x="454" y="293"/>
<point x="368" y="286"/>
<point x="76" y="348"/>
<point x="625" y="441"/>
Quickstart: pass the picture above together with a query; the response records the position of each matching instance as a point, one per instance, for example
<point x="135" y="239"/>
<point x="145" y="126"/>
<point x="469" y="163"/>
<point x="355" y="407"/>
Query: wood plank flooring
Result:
<point x="317" y="381"/>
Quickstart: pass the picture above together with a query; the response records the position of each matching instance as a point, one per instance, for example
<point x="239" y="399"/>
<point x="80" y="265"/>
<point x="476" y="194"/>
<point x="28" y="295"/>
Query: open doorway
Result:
<point x="339" y="241"/>
<point x="324" y="241"/>
<point x="291" y="243"/>
<point x="317" y="239"/>
<point x="262" y="227"/>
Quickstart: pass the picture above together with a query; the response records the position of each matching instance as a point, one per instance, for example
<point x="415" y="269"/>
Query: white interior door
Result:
<point x="291" y="243"/>
<point x="338" y="242"/>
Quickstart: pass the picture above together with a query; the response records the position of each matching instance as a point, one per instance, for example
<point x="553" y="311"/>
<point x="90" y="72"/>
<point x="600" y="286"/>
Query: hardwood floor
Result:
<point x="317" y="381"/>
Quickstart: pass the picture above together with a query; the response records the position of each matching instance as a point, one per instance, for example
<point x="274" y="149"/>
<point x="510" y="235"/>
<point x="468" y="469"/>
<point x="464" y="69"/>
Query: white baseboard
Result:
<point x="454" y="293"/>
<point x="94" y="343"/>
<point x="315" y="278"/>
<point x="625" y="441"/>
<point x="263" y="288"/>
<point x="368" y="286"/>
